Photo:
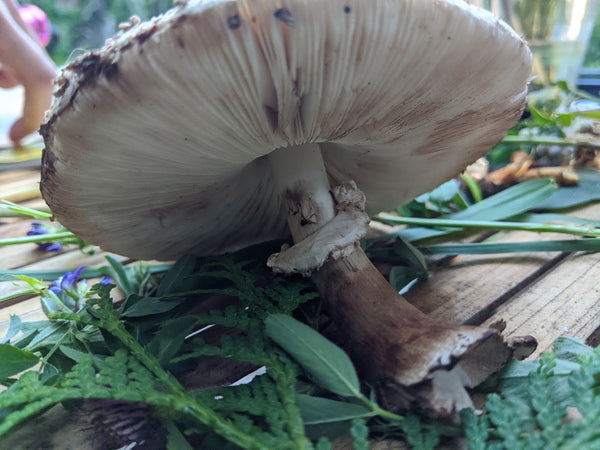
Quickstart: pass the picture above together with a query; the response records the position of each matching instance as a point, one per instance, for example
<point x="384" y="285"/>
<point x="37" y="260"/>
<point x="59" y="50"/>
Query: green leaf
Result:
<point x="445" y="192"/>
<point x="360" y="432"/>
<point x="172" y="280"/>
<point x="587" y="190"/>
<point x="34" y="213"/>
<point x="169" y="339"/>
<point x="175" y="438"/>
<point x="318" y="410"/>
<point x="513" y="201"/>
<point x="325" y="362"/>
<point x="50" y="275"/>
<point x="119" y="274"/>
<point x="13" y="328"/>
<point x="147" y="306"/>
<point x="401" y="277"/>
<point x="411" y="253"/>
<point x="52" y="334"/>
<point x="14" y="360"/>
<point x="571" y="349"/>
<point x="473" y="187"/>
<point x="486" y="248"/>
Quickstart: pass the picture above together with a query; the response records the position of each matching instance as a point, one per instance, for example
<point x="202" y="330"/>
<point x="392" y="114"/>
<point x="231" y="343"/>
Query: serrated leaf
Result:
<point x="571" y="349"/>
<point x="325" y="362"/>
<point x="14" y="360"/>
<point x="319" y="410"/>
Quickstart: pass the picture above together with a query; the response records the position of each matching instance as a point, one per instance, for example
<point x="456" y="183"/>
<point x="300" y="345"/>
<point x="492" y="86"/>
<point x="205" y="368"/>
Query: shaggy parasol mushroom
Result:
<point x="202" y="130"/>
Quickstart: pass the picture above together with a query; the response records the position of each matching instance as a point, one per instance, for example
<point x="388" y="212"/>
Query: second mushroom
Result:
<point x="225" y="123"/>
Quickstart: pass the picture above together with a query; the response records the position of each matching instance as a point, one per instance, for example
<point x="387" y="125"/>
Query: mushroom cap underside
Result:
<point x="157" y="144"/>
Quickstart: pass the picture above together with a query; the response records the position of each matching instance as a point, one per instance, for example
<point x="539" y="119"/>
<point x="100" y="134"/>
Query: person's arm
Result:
<point x="24" y="62"/>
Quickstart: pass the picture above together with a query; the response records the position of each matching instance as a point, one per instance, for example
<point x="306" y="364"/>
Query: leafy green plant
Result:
<point x="91" y="348"/>
<point x="552" y="403"/>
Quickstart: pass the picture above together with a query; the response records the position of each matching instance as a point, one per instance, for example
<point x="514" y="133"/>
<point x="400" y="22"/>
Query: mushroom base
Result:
<point x="415" y="362"/>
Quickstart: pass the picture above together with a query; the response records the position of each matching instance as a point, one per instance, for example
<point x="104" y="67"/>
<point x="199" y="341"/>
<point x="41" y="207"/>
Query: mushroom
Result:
<point x="225" y="123"/>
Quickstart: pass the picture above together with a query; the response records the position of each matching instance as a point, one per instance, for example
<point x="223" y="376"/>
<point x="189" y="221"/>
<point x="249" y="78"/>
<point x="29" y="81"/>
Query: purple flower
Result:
<point x="105" y="280"/>
<point x="67" y="283"/>
<point x="38" y="229"/>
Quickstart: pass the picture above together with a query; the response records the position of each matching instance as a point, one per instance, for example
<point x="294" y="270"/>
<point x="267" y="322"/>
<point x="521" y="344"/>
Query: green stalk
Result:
<point x="548" y="140"/>
<point x="49" y="237"/>
<point x="489" y="225"/>
<point x="14" y="294"/>
<point x="183" y="402"/>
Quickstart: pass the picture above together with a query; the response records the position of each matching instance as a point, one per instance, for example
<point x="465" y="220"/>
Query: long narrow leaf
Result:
<point x="329" y="366"/>
<point x="573" y="245"/>
<point x="50" y="275"/>
<point x="49" y="237"/>
<point x="491" y="225"/>
<point x="24" y="210"/>
<point x="511" y="202"/>
<point x="318" y="410"/>
<point x="548" y="140"/>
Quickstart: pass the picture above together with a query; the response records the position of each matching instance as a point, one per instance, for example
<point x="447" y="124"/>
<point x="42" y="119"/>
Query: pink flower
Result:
<point x="38" y="21"/>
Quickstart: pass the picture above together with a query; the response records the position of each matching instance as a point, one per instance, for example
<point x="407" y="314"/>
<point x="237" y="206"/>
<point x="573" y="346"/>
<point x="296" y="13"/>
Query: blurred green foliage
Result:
<point x="592" y="58"/>
<point x="80" y="25"/>
<point x="84" y="24"/>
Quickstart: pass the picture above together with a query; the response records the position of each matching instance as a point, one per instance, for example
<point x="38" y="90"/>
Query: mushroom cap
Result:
<point x="156" y="144"/>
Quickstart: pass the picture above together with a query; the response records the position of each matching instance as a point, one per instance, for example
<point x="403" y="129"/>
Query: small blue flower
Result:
<point x="38" y="229"/>
<point x="105" y="280"/>
<point x="67" y="283"/>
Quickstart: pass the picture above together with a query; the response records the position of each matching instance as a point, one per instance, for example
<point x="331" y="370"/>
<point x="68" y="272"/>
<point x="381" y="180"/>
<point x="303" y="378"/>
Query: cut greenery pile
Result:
<point x="309" y="392"/>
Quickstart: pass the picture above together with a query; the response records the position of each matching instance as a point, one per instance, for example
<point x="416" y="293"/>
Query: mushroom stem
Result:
<point x="412" y="360"/>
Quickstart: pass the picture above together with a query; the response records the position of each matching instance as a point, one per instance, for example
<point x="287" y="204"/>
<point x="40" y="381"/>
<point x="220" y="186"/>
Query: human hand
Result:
<point x="23" y="61"/>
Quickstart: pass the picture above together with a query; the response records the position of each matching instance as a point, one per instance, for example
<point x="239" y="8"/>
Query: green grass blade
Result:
<point x="572" y="245"/>
<point x="49" y="237"/>
<point x="491" y="225"/>
<point x="25" y="211"/>
<point x="14" y="294"/>
<point x="511" y="202"/>
<point x="50" y="275"/>
<point x="547" y="140"/>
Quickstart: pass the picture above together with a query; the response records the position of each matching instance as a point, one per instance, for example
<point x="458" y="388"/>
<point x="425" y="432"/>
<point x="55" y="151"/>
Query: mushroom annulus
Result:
<point x="225" y="123"/>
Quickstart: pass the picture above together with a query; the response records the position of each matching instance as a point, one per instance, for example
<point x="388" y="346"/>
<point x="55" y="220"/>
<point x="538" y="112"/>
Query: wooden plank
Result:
<point x="473" y="286"/>
<point x="15" y="175"/>
<point x="25" y="188"/>
<point x="468" y="290"/>
<point x="565" y="302"/>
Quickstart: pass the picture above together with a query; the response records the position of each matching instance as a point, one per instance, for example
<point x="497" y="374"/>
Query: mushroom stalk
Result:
<point x="411" y="359"/>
